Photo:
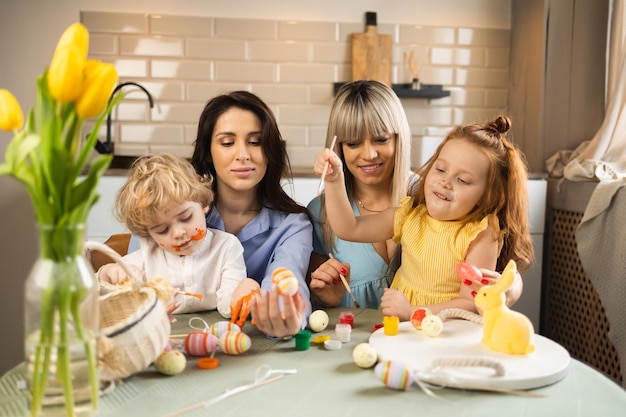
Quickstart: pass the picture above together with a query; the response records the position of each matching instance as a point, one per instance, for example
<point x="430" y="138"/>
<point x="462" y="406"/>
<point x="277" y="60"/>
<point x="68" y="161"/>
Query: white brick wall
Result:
<point x="185" y="60"/>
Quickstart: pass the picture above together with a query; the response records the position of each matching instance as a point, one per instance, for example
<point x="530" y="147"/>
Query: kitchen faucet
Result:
<point x="108" y="145"/>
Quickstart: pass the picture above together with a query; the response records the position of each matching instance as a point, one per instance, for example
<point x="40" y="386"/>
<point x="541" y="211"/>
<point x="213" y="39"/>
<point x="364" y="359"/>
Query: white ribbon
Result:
<point x="264" y="375"/>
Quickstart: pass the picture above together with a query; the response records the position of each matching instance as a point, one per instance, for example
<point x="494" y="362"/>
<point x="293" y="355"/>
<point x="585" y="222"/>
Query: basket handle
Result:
<point x="107" y="250"/>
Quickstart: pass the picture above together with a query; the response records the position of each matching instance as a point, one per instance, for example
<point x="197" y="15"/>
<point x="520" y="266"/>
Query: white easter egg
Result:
<point x="318" y="320"/>
<point x="219" y="328"/>
<point x="432" y="325"/>
<point x="171" y="362"/>
<point x="286" y="281"/>
<point x="364" y="355"/>
<point x="394" y="375"/>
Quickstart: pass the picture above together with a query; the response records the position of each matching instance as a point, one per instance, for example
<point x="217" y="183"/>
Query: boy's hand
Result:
<point x="240" y="301"/>
<point x="114" y="274"/>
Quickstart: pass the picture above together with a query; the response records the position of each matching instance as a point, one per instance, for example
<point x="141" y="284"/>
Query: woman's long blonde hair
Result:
<point x="363" y="109"/>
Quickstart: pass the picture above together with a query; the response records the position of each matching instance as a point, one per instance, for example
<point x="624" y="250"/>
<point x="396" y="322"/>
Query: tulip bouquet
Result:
<point x="47" y="157"/>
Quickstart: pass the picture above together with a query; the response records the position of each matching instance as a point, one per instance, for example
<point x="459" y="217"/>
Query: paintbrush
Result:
<point x="345" y="284"/>
<point x="192" y="294"/>
<point x="332" y="145"/>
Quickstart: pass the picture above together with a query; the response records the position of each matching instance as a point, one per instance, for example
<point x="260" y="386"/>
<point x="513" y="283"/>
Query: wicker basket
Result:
<point x="134" y="326"/>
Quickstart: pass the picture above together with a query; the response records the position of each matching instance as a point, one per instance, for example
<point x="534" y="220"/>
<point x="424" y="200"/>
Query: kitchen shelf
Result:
<point x="405" y="90"/>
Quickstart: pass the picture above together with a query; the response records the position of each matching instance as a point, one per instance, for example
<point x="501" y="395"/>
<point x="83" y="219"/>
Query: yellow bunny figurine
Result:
<point x="504" y="330"/>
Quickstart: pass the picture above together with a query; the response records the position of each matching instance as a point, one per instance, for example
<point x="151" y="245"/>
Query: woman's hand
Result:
<point x="490" y="277"/>
<point x="270" y="320"/>
<point x="326" y="283"/>
<point x="394" y="303"/>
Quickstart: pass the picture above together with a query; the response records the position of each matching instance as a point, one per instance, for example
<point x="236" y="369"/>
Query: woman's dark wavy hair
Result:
<point x="269" y="191"/>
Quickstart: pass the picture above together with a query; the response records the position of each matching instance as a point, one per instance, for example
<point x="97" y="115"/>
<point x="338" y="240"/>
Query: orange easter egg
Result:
<point x="234" y="342"/>
<point x="418" y="316"/>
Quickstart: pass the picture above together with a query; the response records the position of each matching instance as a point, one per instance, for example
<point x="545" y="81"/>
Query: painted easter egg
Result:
<point x="418" y="315"/>
<point x="468" y="271"/>
<point x="432" y="325"/>
<point x="394" y="375"/>
<point x="200" y="343"/>
<point x="234" y="342"/>
<point x="364" y="355"/>
<point x="171" y="362"/>
<point x="220" y="327"/>
<point x="286" y="281"/>
<point x="318" y="320"/>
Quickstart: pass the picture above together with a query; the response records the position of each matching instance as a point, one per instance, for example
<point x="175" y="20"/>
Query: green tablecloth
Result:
<point x="327" y="383"/>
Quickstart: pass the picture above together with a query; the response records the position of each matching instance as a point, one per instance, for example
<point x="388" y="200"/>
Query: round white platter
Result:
<point x="461" y="339"/>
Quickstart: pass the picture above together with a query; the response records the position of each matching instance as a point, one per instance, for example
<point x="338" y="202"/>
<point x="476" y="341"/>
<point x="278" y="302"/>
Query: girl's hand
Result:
<point x="270" y="320"/>
<point x="326" y="284"/>
<point x="394" y="303"/>
<point x="330" y="158"/>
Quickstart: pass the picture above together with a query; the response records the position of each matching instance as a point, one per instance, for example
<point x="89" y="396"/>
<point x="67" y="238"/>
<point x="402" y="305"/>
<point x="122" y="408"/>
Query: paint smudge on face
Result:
<point x="200" y="234"/>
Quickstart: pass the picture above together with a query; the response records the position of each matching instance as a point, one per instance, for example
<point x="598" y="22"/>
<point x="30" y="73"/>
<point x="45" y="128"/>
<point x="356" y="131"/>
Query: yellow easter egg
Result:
<point x="234" y="342"/>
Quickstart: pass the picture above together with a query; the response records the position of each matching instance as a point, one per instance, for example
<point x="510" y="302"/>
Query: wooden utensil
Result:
<point x="371" y="53"/>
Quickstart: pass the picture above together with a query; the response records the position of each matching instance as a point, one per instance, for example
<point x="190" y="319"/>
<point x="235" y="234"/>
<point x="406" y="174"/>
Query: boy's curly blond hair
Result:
<point x="154" y="181"/>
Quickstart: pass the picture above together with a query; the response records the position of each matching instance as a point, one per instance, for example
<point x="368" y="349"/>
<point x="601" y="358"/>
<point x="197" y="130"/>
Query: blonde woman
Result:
<point x="374" y="145"/>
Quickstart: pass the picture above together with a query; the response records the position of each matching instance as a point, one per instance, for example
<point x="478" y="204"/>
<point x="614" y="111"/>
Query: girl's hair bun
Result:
<point x="501" y="124"/>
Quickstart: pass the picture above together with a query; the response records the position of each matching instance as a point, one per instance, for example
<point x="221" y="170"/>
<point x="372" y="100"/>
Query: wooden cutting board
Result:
<point x="371" y="53"/>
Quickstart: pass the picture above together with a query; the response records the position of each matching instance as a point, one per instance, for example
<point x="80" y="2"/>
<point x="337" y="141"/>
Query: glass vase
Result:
<point x="61" y="325"/>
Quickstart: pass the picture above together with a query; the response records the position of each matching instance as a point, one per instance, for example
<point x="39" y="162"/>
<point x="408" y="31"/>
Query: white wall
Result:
<point x="29" y="30"/>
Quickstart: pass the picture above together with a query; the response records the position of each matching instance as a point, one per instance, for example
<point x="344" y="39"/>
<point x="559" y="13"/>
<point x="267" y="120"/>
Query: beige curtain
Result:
<point x="603" y="158"/>
<point x="599" y="237"/>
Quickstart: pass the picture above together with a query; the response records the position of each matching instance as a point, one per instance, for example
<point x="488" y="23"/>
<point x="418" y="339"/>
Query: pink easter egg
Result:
<point x="200" y="343"/>
<point x="235" y="342"/>
<point x="465" y="270"/>
<point x="394" y="375"/>
<point x="219" y="328"/>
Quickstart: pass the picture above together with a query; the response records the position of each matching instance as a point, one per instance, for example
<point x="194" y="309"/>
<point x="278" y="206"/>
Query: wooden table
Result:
<point x="327" y="383"/>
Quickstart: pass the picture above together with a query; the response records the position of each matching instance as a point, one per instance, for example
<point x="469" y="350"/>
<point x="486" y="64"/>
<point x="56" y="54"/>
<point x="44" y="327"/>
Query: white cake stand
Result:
<point x="462" y="339"/>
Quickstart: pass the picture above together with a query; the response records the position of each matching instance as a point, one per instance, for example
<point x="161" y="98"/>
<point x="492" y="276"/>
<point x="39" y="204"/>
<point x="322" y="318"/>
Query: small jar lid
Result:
<point x="321" y="338"/>
<point x="208" y="363"/>
<point x="332" y="344"/>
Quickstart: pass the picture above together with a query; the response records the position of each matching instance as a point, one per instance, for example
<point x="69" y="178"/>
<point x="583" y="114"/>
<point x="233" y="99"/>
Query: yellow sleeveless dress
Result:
<point x="431" y="249"/>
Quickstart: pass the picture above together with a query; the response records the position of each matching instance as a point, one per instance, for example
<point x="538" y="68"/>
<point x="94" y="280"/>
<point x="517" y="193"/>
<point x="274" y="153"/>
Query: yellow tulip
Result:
<point x="11" y="116"/>
<point x="76" y="34"/>
<point x="100" y="78"/>
<point x="66" y="72"/>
